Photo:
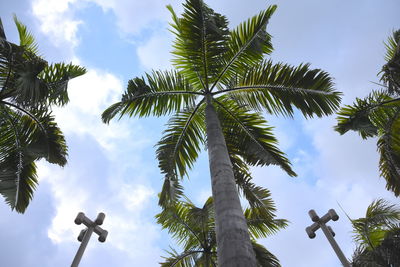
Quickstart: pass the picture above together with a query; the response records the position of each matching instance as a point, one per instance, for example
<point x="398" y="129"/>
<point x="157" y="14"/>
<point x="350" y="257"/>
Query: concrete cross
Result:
<point x="85" y="234"/>
<point x="321" y="223"/>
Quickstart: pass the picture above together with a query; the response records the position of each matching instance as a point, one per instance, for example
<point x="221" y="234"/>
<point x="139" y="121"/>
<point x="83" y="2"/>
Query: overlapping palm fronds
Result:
<point x="378" y="115"/>
<point x="28" y="131"/>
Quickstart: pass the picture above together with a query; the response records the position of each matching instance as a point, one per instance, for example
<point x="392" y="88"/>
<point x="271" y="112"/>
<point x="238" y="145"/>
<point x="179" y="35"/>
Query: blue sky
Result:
<point x="112" y="168"/>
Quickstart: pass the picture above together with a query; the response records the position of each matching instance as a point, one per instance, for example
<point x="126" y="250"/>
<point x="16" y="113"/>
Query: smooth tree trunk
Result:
<point x="234" y="248"/>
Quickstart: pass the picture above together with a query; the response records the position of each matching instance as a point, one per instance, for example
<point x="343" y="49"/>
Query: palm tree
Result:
<point x="378" y="115"/>
<point x="220" y="86"/>
<point x="194" y="229"/>
<point x="377" y="236"/>
<point x="29" y="86"/>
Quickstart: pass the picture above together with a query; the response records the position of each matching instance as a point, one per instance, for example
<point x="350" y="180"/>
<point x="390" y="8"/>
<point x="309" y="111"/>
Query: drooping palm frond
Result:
<point x="389" y="150"/>
<point x="56" y="76"/>
<point x="277" y="88"/>
<point x="179" y="147"/>
<point x="26" y="39"/>
<point x="264" y="257"/>
<point x="247" y="135"/>
<point x="363" y="115"/>
<point x="25" y="139"/>
<point x="28" y="88"/>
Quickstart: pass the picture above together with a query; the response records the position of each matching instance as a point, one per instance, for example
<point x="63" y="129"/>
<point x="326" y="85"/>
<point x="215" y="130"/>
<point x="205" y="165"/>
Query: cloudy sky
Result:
<point x="112" y="168"/>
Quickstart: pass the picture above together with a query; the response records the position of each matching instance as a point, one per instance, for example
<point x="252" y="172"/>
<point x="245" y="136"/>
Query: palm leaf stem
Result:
<point x="203" y="42"/>
<point x="244" y="88"/>
<point x="202" y="82"/>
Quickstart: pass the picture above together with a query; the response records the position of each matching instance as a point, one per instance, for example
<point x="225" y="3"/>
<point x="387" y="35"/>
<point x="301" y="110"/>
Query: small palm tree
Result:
<point x="221" y="84"/>
<point x="29" y="86"/>
<point x="194" y="229"/>
<point x="377" y="236"/>
<point x="379" y="115"/>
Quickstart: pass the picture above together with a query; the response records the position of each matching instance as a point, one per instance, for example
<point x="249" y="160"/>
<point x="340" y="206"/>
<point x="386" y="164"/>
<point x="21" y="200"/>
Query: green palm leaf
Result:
<point x="377" y="115"/>
<point x="247" y="135"/>
<point x="201" y="36"/>
<point x="56" y="76"/>
<point x="194" y="230"/>
<point x="248" y="44"/>
<point x="389" y="150"/>
<point x="264" y="257"/>
<point x="371" y="230"/>
<point x="26" y="39"/>
<point x="390" y="74"/>
<point x="180" y="145"/>
<point x="28" y="88"/>
<point x="277" y="88"/>
<point x="163" y="93"/>
<point x="377" y="236"/>
<point x="184" y="259"/>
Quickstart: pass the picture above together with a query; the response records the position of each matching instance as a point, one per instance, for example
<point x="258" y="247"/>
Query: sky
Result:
<point x="112" y="168"/>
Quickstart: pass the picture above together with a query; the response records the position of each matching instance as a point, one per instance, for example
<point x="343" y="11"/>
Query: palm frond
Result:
<point x="26" y="39"/>
<point x="201" y="36"/>
<point x="2" y="33"/>
<point x="386" y="254"/>
<point x="56" y="76"/>
<point x="248" y="44"/>
<point x="248" y="136"/>
<point x="184" y="259"/>
<point x="360" y="116"/>
<point x="389" y="150"/>
<point x="390" y="73"/>
<point x="179" y="147"/>
<point x="277" y="88"/>
<point x="263" y="224"/>
<point x="370" y="231"/>
<point x="171" y="191"/>
<point x="264" y="257"/>
<point x="162" y="94"/>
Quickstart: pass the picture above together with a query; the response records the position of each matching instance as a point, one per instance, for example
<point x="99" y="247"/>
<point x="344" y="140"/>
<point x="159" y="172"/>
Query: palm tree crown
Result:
<point x="28" y="88"/>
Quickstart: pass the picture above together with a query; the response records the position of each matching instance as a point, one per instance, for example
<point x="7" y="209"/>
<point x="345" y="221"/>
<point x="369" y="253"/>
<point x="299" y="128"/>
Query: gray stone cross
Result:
<point x="85" y="234"/>
<point x="321" y="223"/>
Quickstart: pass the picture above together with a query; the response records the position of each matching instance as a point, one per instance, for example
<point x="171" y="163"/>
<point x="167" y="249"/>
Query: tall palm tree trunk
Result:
<point x="234" y="248"/>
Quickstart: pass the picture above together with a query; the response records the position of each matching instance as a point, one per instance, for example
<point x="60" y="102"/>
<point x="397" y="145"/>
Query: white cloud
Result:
<point x="57" y="20"/>
<point x="155" y="53"/>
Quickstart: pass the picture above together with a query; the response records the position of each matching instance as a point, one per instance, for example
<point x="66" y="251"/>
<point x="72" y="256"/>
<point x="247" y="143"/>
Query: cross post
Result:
<point x="321" y="223"/>
<point x="85" y="234"/>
